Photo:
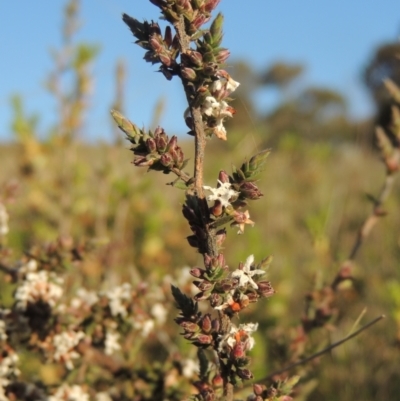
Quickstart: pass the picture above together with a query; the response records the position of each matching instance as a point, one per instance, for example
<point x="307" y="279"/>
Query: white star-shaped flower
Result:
<point x="224" y="193"/>
<point x="245" y="275"/>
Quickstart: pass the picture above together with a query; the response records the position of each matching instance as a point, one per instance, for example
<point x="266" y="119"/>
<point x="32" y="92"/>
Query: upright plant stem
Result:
<point x="200" y="144"/>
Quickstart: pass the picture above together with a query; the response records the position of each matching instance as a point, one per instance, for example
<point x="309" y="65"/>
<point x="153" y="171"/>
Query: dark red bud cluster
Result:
<point x="200" y="330"/>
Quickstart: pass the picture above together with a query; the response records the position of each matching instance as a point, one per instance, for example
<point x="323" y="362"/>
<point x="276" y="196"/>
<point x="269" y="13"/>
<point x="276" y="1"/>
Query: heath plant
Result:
<point x="61" y="341"/>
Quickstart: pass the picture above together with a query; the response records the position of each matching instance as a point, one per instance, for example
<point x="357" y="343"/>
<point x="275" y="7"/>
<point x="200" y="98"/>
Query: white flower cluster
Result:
<point x="64" y="345"/>
<point x="215" y="106"/>
<point x="240" y="334"/>
<point x="8" y="369"/>
<point x="224" y="193"/>
<point x="69" y="393"/>
<point x="111" y="343"/>
<point x="38" y="286"/>
<point x="117" y="296"/>
<point x="3" y="220"/>
<point x="84" y="298"/>
<point x="3" y="324"/>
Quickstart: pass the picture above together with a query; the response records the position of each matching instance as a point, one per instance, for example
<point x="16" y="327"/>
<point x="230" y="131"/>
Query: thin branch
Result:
<point x="324" y="351"/>
<point x="373" y="218"/>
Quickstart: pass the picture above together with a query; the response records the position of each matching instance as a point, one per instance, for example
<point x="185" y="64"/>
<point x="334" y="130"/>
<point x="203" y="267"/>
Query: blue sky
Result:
<point x="333" y="39"/>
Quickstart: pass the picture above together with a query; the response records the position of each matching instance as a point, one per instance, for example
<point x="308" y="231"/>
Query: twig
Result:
<point x="324" y="351"/>
<point x="373" y="218"/>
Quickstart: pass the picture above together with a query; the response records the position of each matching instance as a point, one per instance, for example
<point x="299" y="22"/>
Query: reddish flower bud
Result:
<point x="206" y="323"/>
<point x="250" y="191"/>
<point x="222" y="56"/>
<point x="198" y="22"/>
<point x="189" y="327"/>
<point x="197" y="272"/>
<point x="215" y="300"/>
<point x="265" y="289"/>
<point x="223" y="176"/>
<point x="142" y="161"/>
<point x="189" y="74"/>
<point x="210" y="5"/>
<point x="204" y="339"/>
<point x="173" y="142"/>
<point x="166" y="160"/>
<point x="161" y="142"/>
<point x="238" y="351"/>
<point x="245" y="374"/>
<point x="215" y="325"/>
<point x="218" y="381"/>
<point x="217" y="209"/>
<point x="258" y="389"/>
<point x="195" y="57"/>
<point x="205" y="285"/>
<point x="165" y="59"/>
<point x="155" y="44"/>
<point x="151" y="145"/>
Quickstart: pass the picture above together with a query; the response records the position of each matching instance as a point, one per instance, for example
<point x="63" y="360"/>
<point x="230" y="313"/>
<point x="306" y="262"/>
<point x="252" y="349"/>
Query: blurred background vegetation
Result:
<point x="322" y="165"/>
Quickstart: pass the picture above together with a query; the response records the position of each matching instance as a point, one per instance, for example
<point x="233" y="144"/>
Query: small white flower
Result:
<point x="242" y="334"/>
<point x="245" y="275"/>
<point x="65" y="344"/>
<point x="111" y="343"/>
<point x="159" y="312"/>
<point x="8" y="366"/>
<point x="3" y="220"/>
<point x="103" y="396"/>
<point x="69" y="393"/>
<point x="223" y="193"/>
<point x="190" y="368"/>
<point x="84" y="297"/>
<point x="116" y="297"/>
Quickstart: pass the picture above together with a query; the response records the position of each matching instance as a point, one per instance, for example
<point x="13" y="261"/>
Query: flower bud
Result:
<point x="245" y="374"/>
<point x="215" y="300"/>
<point x="217" y="209"/>
<point x="222" y="56"/>
<point x="161" y="142"/>
<point x="258" y="389"/>
<point x="204" y="339"/>
<point x="210" y="5"/>
<point x="265" y="288"/>
<point x="205" y="285"/>
<point x="250" y="190"/>
<point x="166" y="160"/>
<point x="206" y="323"/>
<point x="198" y="22"/>
<point x="172" y="143"/>
<point x="218" y="381"/>
<point x="197" y="272"/>
<point x="189" y="327"/>
<point x="223" y="177"/>
<point x="142" y="161"/>
<point x="238" y="351"/>
<point x="188" y="73"/>
<point x="151" y="145"/>
<point x="155" y="44"/>
<point x="215" y="325"/>
<point x="165" y="59"/>
<point x="196" y="58"/>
